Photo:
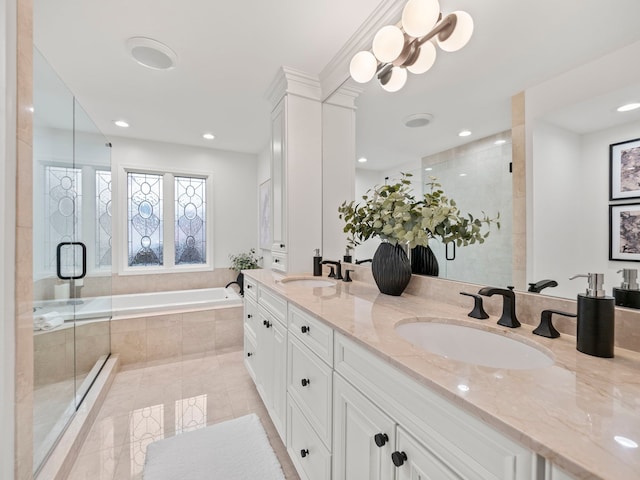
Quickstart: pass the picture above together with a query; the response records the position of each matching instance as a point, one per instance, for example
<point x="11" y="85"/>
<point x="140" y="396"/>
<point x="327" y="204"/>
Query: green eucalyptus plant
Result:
<point x="245" y="261"/>
<point x="392" y="213"/>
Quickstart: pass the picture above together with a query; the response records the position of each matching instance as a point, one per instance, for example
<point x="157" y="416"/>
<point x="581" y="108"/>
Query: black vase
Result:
<point x="391" y="269"/>
<point x="424" y="262"/>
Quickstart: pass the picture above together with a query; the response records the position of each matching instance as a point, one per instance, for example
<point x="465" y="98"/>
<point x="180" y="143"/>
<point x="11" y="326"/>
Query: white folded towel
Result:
<point x="47" y="321"/>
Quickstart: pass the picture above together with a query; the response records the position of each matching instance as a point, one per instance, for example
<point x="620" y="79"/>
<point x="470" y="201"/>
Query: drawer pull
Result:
<point x="266" y="323"/>
<point x="381" y="439"/>
<point x="398" y="458"/>
<point x="305" y="329"/>
<point x="305" y="382"/>
<point x="304" y="453"/>
<point x="249" y="354"/>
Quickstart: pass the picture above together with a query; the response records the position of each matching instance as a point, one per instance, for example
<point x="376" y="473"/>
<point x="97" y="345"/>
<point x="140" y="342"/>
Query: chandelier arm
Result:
<point x="444" y="29"/>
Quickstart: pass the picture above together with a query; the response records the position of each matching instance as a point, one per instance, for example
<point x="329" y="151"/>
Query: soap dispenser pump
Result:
<point x="596" y="312"/>
<point x="628" y="293"/>
<point x="317" y="264"/>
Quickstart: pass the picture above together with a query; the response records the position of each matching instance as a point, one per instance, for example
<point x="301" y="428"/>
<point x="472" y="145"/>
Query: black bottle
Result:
<point x="317" y="264"/>
<point x="628" y="293"/>
<point x="347" y="258"/>
<point x="596" y="314"/>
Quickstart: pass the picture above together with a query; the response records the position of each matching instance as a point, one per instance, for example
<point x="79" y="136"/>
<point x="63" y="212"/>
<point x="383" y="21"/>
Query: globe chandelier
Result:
<point x="409" y="46"/>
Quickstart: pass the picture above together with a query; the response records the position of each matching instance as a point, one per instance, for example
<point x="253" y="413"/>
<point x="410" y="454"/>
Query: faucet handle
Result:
<point x="347" y="276"/>
<point x="546" y="328"/>
<point x="332" y="272"/>
<point x="478" y="309"/>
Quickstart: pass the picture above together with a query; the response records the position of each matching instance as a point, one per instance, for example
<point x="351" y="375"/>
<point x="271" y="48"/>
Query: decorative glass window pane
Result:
<point x="63" y="197"/>
<point x="190" y="227"/>
<point x="103" y="215"/>
<point x="144" y="193"/>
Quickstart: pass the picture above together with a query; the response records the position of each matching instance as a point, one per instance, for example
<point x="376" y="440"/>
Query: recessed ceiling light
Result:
<point x="628" y="107"/>
<point x="151" y="53"/>
<point x="428" y="169"/>
<point x="418" y="120"/>
<point x="121" y="123"/>
<point x="463" y="174"/>
<point x="362" y="160"/>
<point x="625" y="442"/>
<point x="208" y="136"/>
<point x="499" y="142"/>
<point x="464" y="133"/>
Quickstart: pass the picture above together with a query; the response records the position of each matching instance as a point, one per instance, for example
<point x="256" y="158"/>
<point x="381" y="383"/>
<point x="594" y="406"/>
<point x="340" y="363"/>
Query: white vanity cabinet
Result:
<point x="296" y="170"/>
<point x="265" y="334"/>
<point x="554" y="473"/>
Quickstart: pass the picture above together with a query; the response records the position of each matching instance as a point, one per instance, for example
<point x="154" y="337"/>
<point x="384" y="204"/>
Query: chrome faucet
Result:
<point x="508" y="318"/>
<point x="338" y="274"/>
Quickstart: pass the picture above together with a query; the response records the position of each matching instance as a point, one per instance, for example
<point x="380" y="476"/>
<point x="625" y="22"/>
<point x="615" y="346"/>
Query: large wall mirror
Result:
<point x="571" y="119"/>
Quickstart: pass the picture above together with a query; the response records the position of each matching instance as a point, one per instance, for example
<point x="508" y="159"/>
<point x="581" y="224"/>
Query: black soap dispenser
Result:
<point x="317" y="264"/>
<point x="596" y="313"/>
<point x="628" y="293"/>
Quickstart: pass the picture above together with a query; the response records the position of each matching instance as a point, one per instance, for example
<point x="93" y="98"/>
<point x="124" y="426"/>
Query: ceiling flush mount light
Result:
<point x="121" y="123"/>
<point x="362" y="160"/>
<point x="418" y="120"/>
<point x="208" y="136"/>
<point x="151" y="53"/>
<point x="628" y="107"/>
<point x="464" y="133"/>
<point x="410" y="46"/>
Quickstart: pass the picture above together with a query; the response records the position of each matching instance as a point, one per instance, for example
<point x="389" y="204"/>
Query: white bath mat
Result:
<point x="234" y="450"/>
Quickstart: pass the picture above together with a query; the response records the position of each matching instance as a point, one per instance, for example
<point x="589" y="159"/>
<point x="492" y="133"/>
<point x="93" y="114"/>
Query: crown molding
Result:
<point x="334" y="74"/>
<point x="345" y="95"/>
<point x="291" y="81"/>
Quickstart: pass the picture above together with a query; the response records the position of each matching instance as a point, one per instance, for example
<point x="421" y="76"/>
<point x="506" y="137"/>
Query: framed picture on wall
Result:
<point x="624" y="232"/>
<point x="264" y="194"/>
<point x="624" y="170"/>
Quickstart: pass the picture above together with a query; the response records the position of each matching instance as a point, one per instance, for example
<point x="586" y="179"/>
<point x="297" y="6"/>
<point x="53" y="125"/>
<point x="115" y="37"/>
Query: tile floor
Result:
<point x="154" y="401"/>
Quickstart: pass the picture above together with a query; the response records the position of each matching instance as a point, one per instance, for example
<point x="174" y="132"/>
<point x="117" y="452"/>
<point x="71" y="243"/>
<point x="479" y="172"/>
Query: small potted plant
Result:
<point x="392" y="213"/>
<point x="243" y="261"/>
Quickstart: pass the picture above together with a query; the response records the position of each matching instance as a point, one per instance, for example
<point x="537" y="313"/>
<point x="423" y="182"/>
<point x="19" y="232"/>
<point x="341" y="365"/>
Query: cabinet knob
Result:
<point x="249" y="354"/>
<point x="305" y="329"/>
<point x="304" y="453"/>
<point x="249" y="286"/>
<point x="398" y="458"/>
<point x="249" y="316"/>
<point x="381" y="439"/>
<point x="305" y="382"/>
<point x="282" y="245"/>
<point x="266" y="323"/>
<point x="277" y="260"/>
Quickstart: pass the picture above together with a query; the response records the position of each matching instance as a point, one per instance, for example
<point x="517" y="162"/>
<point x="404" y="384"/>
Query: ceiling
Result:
<point x="229" y="52"/>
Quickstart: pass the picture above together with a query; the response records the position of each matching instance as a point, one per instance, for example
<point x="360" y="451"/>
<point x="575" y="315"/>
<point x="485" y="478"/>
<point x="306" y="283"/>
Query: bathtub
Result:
<point x="135" y="304"/>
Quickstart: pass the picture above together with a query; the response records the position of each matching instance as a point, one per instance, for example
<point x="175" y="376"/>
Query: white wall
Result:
<point x="7" y="232"/>
<point x="365" y="180"/>
<point x="235" y="198"/>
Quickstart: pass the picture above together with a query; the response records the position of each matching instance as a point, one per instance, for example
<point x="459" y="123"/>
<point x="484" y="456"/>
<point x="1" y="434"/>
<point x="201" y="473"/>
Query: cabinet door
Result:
<point x="415" y="462"/>
<point x="278" y="176"/>
<point x="278" y="407"/>
<point x="250" y="354"/>
<point x="363" y="436"/>
<point x="264" y="354"/>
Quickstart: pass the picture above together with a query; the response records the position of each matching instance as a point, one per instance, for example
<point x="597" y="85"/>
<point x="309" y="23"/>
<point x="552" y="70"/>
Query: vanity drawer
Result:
<point x="274" y="304"/>
<point x="302" y="440"/>
<point x="312" y="332"/>
<point x="250" y="288"/>
<point x="309" y="383"/>
<point x="250" y="317"/>
<point x="279" y="262"/>
<point x="250" y="357"/>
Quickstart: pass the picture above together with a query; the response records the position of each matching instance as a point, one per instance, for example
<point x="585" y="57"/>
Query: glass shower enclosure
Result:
<point x="72" y="255"/>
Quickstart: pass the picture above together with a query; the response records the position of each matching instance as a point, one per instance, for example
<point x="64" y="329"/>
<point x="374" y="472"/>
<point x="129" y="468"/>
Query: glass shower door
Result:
<point x="72" y="267"/>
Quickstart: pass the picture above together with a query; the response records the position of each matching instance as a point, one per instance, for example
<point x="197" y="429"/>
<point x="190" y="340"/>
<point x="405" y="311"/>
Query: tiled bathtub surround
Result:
<point x="172" y="335"/>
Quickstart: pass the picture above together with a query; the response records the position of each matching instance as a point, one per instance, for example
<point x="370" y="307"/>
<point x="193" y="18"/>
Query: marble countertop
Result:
<point x="571" y="413"/>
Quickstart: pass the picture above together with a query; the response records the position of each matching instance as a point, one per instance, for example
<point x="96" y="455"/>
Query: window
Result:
<point x="167" y="223"/>
<point x="190" y="220"/>
<point x="103" y="216"/>
<point x="144" y="219"/>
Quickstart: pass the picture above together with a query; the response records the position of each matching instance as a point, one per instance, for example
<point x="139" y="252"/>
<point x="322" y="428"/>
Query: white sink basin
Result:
<point x="308" y="282"/>
<point x="471" y="345"/>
